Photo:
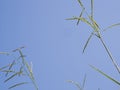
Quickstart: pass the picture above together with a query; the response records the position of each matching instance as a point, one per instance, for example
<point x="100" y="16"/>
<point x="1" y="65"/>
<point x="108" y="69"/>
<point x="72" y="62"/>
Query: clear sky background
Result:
<point x="54" y="45"/>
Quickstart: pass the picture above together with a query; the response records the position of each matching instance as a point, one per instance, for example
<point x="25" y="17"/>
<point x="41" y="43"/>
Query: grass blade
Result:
<point x="92" y="8"/>
<point x="81" y="4"/>
<point x="111" y="26"/>
<point x="8" y="71"/>
<point x="84" y="82"/>
<point x="88" y="41"/>
<point x="95" y="25"/>
<point x="107" y="76"/>
<point x="11" y="77"/>
<point x="4" y="67"/>
<point x="6" y="53"/>
<point x="76" y="84"/>
<point x="18" y="48"/>
<point x="74" y="18"/>
<point x="18" y="84"/>
<point x="11" y="65"/>
<point x="82" y="19"/>
<point x="80" y="16"/>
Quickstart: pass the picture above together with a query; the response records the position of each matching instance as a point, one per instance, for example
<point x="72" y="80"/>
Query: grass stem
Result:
<point x="110" y="55"/>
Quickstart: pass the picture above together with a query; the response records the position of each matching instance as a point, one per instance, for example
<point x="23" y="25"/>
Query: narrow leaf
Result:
<point x="30" y="71"/>
<point x="80" y="16"/>
<point x="85" y="21"/>
<point x="11" y="65"/>
<point x="74" y="18"/>
<point x="81" y="4"/>
<point x="107" y="76"/>
<point x="111" y="26"/>
<point x="4" y="67"/>
<point x="82" y="19"/>
<point x="18" y="48"/>
<point x="18" y="84"/>
<point x="8" y="71"/>
<point x="92" y="8"/>
<point x="10" y="77"/>
<point x="76" y="84"/>
<point x="84" y="82"/>
<point x="6" y="53"/>
<point x="87" y="41"/>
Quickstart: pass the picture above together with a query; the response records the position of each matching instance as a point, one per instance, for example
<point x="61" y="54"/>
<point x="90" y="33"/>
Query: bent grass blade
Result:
<point x="111" y="26"/>
<point x="76" y="84"/>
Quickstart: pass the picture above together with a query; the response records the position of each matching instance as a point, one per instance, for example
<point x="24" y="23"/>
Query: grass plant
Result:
<point x="25" y="69"/>
<point x="18" y="68"/>
<point x="96" y="31"/>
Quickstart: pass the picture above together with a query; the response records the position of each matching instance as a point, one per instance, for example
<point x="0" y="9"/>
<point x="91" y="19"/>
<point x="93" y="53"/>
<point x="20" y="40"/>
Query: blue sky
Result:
<point x="54" y="45"/>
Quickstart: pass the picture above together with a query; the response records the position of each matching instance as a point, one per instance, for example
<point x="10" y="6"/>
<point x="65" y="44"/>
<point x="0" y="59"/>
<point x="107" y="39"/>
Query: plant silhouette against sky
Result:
<point x="96" y="31"/>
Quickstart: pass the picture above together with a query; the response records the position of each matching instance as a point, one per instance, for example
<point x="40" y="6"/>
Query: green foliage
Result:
<point x="18" y="84"/>
<point x="79" y="86"/>
<point x="18" y="68"/>
<point x="111" y="26"/>
<point x="24" y="69"/>
<point x="90" y="21"/>
<point x="87" y="41"/>
<point x="104" y="74"/>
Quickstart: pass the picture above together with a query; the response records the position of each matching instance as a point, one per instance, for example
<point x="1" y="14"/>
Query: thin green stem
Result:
<point x="110" y="55"/>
